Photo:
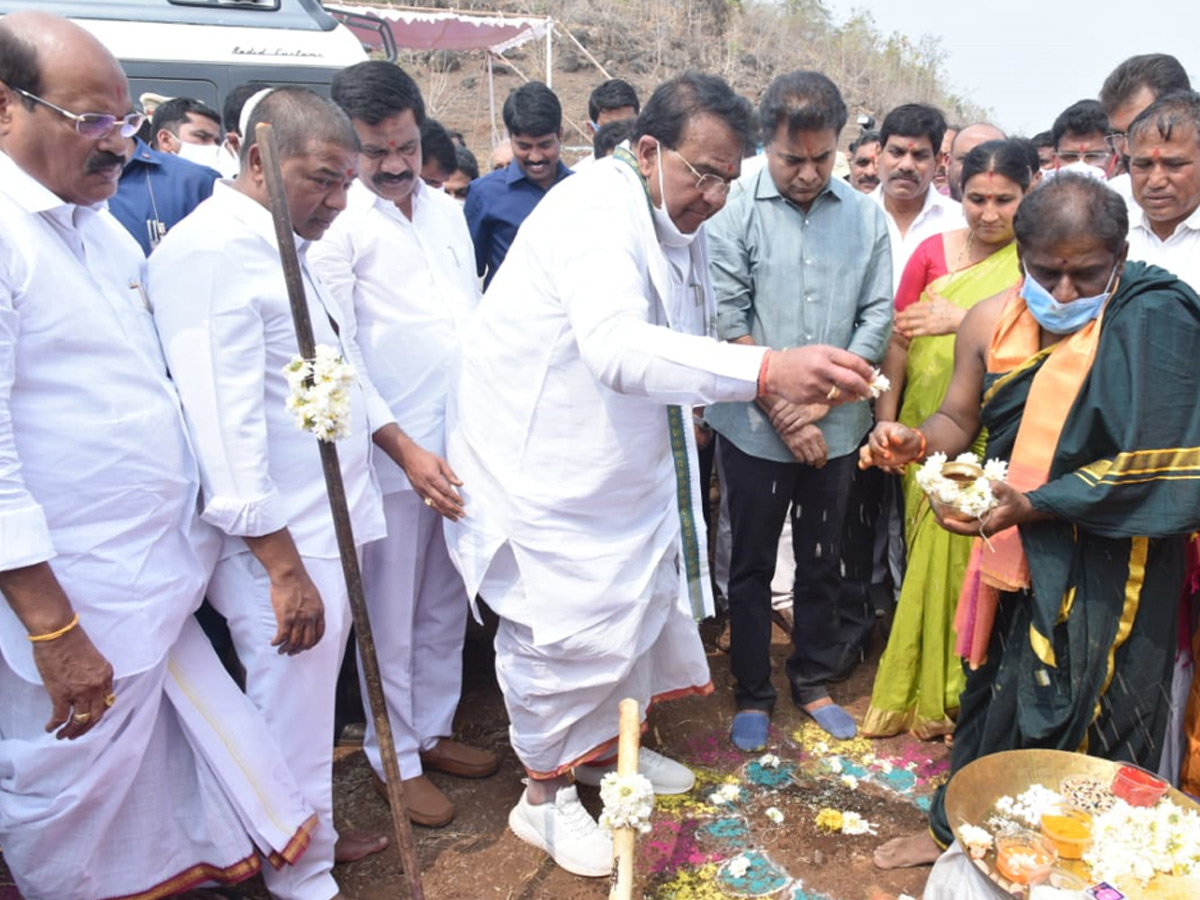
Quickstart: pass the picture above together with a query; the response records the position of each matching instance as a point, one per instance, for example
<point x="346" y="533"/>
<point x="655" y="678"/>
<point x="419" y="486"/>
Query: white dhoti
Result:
<point x="563" y="696"/>
<point x="418" y="608"/>
<point x="295" y="695"/>
<point x="177" y="785"/>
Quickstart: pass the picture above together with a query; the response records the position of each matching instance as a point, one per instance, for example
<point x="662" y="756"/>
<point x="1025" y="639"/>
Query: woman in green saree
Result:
<point x="920" y="677"/>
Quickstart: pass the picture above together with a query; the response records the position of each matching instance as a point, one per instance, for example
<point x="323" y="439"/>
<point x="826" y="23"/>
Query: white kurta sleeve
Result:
<point x="24" y="534"/>
<point x="604" y="290"/>
<point x="379" y="413"/>
<point x="213" y="335"/>
<point x="332" y="261"/>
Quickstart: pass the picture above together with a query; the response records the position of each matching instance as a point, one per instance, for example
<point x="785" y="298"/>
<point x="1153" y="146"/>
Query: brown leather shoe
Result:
<point x="352" y="846"/>
<point x="426" y="804"/>
<point x="463" y="760"/>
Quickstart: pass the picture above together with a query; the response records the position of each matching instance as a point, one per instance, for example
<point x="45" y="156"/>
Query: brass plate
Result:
<point x="972" y="794"/>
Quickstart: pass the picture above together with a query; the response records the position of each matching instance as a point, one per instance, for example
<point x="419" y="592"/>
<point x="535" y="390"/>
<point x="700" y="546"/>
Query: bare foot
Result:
<point x="817" y="704"/>
<point x="918" y="849"/>
<point x="354" y="845"/>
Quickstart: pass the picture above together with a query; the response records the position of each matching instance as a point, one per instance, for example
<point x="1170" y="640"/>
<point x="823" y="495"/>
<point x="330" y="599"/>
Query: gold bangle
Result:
<point x="54" y="635"/>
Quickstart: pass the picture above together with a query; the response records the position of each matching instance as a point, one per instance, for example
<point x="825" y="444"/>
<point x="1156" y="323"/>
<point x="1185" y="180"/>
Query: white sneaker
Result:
<point x="666" y="775"/>
<point x="566" y="831"/>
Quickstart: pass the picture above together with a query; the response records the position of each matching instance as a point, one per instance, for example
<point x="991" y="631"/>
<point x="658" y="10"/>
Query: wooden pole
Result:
<point x="341" y="517"/>
<point x="625" y="839"/>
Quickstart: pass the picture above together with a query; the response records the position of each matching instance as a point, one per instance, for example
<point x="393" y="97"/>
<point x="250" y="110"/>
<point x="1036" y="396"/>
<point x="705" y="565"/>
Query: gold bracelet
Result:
<point x="54" y="635"/>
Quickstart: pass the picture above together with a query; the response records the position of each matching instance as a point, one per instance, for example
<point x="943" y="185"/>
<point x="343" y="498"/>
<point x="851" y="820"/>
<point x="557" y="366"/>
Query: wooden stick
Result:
<point x="341" y="518"/>
<point x="625" y="839"/>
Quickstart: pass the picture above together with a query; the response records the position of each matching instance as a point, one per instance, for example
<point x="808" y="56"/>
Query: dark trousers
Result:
<point x="859" y="597"/>
<point x="759" y="494"/>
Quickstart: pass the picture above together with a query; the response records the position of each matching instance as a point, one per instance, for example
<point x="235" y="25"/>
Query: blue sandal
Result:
<point x="749" y="732"/>
<point x="834" y="720"/>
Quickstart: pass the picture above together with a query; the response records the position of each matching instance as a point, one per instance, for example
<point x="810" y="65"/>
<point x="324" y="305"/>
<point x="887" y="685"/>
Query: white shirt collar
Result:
<point x="1191" y="223"/>
<point x="34" y="197"/>
<point x="932" y="198"/>
<point x="363" y="198"/>
<point x="252" y="214"/>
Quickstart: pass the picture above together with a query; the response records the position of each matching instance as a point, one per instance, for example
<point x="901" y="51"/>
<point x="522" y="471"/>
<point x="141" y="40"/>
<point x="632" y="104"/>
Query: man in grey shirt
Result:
<point x="797" y="258"/>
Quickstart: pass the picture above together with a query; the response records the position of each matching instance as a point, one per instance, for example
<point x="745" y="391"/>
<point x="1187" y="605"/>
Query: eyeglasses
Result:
<point x="712" y="186"/>
<point x="1118" y="142"/>
<point x="93" y="126"/>
<point x="1091" y="157"/>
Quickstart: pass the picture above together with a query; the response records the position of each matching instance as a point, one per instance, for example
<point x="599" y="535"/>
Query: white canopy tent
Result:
<point x="433" y="29"/>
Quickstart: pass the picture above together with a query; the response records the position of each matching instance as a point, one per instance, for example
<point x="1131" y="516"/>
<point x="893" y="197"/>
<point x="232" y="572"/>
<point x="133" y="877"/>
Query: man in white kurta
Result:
<point x="221" y="306"/>
<point x="398" y="261"/>
<point x="1164" y="169"/>
<point x="572" y="436"/>
<point x="167" y="777"/>
<point x="915" y="210"/>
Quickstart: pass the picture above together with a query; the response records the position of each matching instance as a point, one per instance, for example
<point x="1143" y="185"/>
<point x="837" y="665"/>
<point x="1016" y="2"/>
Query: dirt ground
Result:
<point x="477" y="858"/>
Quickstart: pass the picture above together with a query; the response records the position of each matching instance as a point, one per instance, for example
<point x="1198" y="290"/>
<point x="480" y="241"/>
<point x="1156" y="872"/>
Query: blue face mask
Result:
<point x="1062" y="318"/>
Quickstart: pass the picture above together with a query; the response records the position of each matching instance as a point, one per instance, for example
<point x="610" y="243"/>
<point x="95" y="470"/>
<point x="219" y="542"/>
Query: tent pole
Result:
<point x="492" y="100"/>
<point x="549" y="53"/>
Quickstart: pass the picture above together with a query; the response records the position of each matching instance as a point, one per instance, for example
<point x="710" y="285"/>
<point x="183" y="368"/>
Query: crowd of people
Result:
<point x="550" y="365"/>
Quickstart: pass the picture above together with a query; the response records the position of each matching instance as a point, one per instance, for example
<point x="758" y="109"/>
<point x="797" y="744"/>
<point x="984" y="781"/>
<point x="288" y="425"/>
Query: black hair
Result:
<point x="376" y="90"/>
<point x="465" y="162"/>
<point x="437" y="146"/>
<point x="19" y="64"/>
<point x="1031" y="153"/>
<point x="1068" y="205"/>
<point x="1166" y="114"/>
<point x="803" y="101"/>
<point x="915" y="120"/>
<point x="1160" y="73"/>
<point x="867" y="137"/>
<point x="532" y="110"/>
<point x="612" y="94"/>
<point x="609" y="135"/>
<point x="457" y="138"/>
<point x="299" y="117"/>
<point x="1081" y="117"/>
<point x="1043" y="139"/>
<point x="170" y="114"/>
<point x="1007" y="158"/>
<point x="231" y="112"/>
<point x="675" y="102"/>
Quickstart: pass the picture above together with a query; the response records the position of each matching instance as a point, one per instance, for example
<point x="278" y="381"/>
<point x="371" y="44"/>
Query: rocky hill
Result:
<point x="647" y="41"/>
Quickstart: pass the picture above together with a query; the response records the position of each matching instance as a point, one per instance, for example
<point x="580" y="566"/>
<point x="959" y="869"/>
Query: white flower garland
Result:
<point x="879" y="384"/>
<point x="977" y="841"/>
<point x="853" y="823"/>
<point x="1139" y="842"/>
<point x="738" y="866"/>
<point x="726" y="793"/>
<point x="319" y="398"/>
<point x="628" y="801"/>
<point x="975" y="499"/>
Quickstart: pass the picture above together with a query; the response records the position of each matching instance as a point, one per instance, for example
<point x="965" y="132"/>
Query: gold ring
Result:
<point x="834" y="393"/>
<point x="429" y="501"/>
<point x="109" y="700"/>
<point x="82" y="718"/>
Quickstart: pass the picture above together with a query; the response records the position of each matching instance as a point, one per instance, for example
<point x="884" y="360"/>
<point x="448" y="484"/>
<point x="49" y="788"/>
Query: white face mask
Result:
<point x="668" y="231"/>
<point x="203" y="154"/>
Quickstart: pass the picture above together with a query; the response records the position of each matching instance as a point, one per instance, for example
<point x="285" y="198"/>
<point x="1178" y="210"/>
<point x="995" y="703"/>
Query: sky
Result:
<point x="1028" y="60"/>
